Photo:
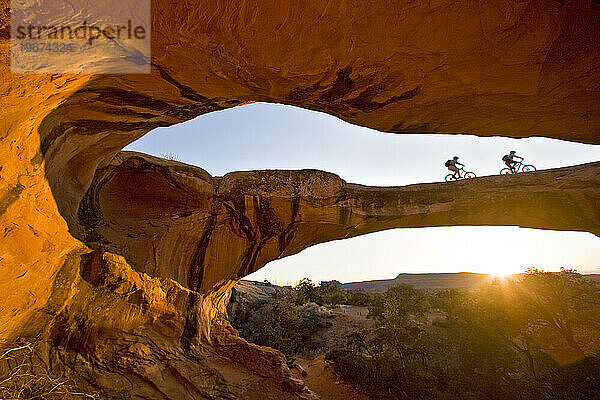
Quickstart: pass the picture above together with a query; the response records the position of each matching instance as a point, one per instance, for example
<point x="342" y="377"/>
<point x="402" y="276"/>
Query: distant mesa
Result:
<point x="458" y="280"/>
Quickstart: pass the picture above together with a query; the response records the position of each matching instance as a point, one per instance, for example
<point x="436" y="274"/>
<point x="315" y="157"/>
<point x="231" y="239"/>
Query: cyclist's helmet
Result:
<point x="455" y="157"/>
<point x="512" y="152"/>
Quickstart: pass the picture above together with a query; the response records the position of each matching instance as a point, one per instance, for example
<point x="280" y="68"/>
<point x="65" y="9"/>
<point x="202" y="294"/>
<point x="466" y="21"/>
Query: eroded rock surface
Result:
<point x="516" y="68"/>
<point x="122" y="334"/>
<point x="175" y="221"/>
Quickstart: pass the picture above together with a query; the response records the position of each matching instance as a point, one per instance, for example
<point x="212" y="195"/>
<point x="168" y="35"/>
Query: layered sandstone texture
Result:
<point x="173" y="220"/>
<point x="118" y="262"/>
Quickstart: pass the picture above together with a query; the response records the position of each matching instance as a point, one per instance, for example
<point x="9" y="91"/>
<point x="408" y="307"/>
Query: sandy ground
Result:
<point x="319" y="375"/>
<point x="345" y="319"/>
<point x="321" y="378"/>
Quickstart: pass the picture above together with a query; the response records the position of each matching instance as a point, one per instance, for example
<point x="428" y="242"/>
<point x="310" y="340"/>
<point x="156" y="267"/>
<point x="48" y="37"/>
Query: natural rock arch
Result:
<point x="173" y="220"/>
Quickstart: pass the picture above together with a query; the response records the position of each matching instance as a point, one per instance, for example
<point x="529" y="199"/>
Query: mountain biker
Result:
<point x="509" y="160"/>
<point x="452" y="166"/>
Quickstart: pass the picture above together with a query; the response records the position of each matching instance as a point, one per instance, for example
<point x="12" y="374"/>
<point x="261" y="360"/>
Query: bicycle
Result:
<point x="463" y="175"/>
<point x="518" y="168"/>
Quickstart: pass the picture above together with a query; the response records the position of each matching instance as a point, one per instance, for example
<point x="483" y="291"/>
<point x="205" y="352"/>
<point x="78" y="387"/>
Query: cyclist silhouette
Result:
<point x="509" y="160"/>
<point x="452" y="166"/>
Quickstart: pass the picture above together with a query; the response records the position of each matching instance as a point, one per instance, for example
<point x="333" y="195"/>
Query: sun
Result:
<point x="504" y="271"/>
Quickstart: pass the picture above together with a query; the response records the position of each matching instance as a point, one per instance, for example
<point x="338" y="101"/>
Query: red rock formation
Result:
<point x="175" y="221"/>
<point x="518" y="68"/>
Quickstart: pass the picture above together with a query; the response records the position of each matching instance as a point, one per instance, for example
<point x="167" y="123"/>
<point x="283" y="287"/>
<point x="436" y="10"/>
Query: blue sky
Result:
<point x="275" y="136"/>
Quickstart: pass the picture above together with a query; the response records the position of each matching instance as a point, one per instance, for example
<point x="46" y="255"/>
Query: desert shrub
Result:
<point x="535" y="337"/>
<point x="329" y="293"/>
<point x="23" y="376"/>
<point x="281" y="324"/>
<point x="359" y="298"/>
<point x="307" y="291"/>
<point x="170" y="156"/>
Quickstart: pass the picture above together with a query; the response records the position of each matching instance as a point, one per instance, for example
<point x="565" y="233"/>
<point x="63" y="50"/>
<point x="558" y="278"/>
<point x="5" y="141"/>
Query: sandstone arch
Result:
<point x="175" y="221"/>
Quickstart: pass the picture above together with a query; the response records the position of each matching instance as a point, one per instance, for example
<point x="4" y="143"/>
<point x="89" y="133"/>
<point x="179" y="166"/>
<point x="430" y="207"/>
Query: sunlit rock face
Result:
<point x="173" y="220"/>
<point x="517" y="68"/>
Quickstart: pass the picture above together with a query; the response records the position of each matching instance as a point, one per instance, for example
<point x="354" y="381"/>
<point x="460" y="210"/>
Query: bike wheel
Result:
<point x="528" y="168"/>
<point x="449" y="177"/>
<point x="469" y="175"/>
<point x="505" y="171"/>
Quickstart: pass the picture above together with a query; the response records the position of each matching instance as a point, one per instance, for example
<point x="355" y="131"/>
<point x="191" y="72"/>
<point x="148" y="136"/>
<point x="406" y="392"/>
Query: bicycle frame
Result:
<point x="462" y="174"/>
<point x="517" y="167"/>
